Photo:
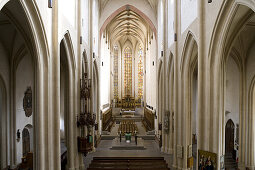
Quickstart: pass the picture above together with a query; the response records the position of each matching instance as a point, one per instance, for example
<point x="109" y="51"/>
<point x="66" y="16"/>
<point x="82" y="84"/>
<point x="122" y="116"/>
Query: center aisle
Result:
<point x="104" y="150"/>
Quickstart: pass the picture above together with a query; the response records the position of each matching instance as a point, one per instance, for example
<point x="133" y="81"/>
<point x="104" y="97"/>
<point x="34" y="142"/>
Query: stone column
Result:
<point x="12" y="148"/>
<point x="164" y="135"/>
<point x="202" y="114"/>
<point x="242" y="120"/>
<point x="251" y="131"/>
<point x="78" y="157"/>
<point x="70" y="113"/>
<point x="176" y="71"/>
<point x="54" y="117"/>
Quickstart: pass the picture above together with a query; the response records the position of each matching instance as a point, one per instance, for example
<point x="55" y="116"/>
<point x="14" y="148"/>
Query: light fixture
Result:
<point x="209" y="1"/>
<point x="50" y="3"/>
<point x="18" y="135"/>
<point x="175" y="37"/>
<point x="80" y="39"/>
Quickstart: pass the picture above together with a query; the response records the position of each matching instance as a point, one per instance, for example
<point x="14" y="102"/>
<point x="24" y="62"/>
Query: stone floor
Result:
<point x="104" y="148"/>
<point x="152" y="150"/>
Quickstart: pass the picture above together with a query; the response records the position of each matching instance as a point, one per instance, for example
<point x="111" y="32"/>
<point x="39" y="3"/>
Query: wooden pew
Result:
<point x="133" y="163"/>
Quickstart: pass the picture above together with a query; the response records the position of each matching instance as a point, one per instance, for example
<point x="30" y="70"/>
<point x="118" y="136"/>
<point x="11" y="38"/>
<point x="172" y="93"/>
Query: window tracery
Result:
<point x="140" y="73"/>
<point x="127" y="71"/>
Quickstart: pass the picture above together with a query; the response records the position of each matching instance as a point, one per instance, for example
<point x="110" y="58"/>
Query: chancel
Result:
<point x="127" y="84"/>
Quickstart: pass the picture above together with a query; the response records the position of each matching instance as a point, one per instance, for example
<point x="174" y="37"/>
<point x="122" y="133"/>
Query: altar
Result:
<point x="123" y="145"/>
<point x="130" y="113"/>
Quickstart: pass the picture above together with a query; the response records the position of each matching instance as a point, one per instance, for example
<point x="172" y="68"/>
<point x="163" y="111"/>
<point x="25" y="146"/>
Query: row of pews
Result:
<point x="148" y="120"/>
<point x="128" y="126"/>
<point x="108" y="121"/>
<point x="132" y="163"/>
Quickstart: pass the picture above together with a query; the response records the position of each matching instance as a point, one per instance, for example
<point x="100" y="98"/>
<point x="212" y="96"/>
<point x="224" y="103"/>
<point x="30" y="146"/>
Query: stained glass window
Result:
<point x="140" y="73"/>
<point x="115" y="72"/>
<point x="128" y="71"/>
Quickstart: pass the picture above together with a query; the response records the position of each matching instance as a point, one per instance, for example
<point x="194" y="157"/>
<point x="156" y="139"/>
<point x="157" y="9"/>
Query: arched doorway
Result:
<point x="25" y="141"/>
<point x="229" y="137"/>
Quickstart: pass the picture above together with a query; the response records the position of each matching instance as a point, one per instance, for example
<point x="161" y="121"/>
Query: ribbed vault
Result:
<point x="128" y="25"/>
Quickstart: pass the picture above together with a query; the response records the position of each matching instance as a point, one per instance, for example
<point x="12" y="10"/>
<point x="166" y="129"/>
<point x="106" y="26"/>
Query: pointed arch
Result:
<point x="37" y="42"/>
<point x="67" y="60"/>
<point x="188" y="53"/>
<point x="85" y="65"/>
<point x="227" y="26"/>
<point x="189" y="61"/>
<point x="67" y="41"/>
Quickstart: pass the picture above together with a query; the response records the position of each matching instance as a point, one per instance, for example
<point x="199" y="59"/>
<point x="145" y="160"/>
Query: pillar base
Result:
<point x="163" y="149"/>
<point x="82" y="167"/>
<point x="180" y="168"/>
<point x="71" y="168"/>
<point x="13" y="167"/>
<point x="241" y="166"/>
<point x="171" y="151"/>
<point x="250" y="167"/>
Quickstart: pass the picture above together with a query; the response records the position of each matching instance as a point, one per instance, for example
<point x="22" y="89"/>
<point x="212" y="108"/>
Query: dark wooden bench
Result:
<point x="133" y="163"/>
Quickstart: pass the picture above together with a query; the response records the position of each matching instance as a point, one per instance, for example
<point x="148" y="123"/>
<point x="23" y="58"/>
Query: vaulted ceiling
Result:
<point x="153" y="4"/>
<point x="127" y="25"/>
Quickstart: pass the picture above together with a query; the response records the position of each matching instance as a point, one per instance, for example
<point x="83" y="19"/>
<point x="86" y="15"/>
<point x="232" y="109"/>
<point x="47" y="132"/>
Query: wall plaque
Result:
<point x="179" y="151"/>
<point x="27" y="102"/>
<point x="166" y="121"/>
<point x="189" y="151"/>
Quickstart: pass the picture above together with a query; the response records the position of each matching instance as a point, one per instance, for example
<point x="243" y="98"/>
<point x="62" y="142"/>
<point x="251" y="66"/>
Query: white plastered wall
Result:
<point x="232" y="100"/>
<point x="151" y="73"/>
<point x="188" y="13"/>
<point x="104" y="73"/>
<point x="24" y="78"/>
<point x="170" y="22"/>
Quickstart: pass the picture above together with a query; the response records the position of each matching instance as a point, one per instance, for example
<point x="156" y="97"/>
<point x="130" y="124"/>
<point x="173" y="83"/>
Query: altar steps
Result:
<point x="131" y="163"/>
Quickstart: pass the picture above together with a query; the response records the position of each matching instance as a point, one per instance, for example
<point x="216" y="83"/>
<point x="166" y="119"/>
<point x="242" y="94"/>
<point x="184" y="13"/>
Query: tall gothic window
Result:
<point x="115" y="72"/>
<point x="140" y="73"/>
<point x="128" y="71"/>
